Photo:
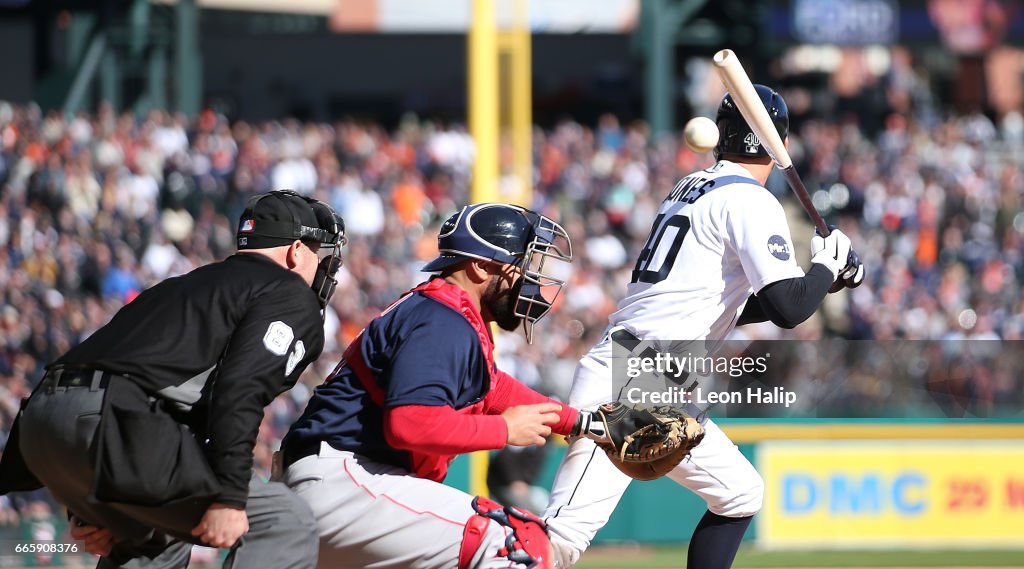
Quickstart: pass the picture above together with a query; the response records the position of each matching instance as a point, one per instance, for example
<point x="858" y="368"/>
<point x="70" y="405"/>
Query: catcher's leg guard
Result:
<point x="527" y="545"/>
<point x="472" y="539"/>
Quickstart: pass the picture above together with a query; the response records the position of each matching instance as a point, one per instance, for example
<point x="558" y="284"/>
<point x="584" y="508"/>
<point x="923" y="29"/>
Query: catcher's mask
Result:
<point x="280" y="217"/>
<point x="509" y="234"/>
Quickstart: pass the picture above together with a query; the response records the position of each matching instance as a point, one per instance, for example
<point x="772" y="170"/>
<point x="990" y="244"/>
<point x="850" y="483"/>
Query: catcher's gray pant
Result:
<point x="587" y="485"/>
<point x="379" y="516"/>
<point x="57" y="429"/>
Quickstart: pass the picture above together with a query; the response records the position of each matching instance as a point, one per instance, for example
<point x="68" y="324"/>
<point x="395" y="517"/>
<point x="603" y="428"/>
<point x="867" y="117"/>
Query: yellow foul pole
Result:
<point x="522" y="101"/>
<point x="482" y="100"/>
<point x="482" y="79"/>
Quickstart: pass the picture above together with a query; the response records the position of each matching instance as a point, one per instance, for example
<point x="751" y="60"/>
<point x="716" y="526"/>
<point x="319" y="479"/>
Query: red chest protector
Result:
<point x="427" y="465"/>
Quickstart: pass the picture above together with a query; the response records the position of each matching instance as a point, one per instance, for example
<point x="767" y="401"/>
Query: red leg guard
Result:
<point x="527" y="544"/>
<point x="472" y="538"/>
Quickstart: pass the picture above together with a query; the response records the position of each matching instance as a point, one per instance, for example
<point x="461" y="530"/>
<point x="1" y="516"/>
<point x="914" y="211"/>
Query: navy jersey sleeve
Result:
<point x="435" y="361"/>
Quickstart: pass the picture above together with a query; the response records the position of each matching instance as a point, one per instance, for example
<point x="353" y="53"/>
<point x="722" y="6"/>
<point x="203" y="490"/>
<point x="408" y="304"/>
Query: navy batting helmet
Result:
<point x="735" y="135"/>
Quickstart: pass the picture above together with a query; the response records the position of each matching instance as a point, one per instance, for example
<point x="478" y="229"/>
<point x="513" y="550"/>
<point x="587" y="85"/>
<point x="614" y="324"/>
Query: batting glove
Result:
<point x="832" y="251"/>
<point x="853" y="274"/>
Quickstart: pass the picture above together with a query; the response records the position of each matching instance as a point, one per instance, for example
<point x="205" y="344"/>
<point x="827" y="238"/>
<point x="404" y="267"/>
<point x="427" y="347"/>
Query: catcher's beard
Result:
<point x="501" y="304"/>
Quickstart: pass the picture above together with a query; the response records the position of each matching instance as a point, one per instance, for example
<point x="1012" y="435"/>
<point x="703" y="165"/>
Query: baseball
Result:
<point x="701" y="134"/>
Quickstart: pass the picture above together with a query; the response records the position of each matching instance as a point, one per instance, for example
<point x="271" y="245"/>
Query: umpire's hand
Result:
<point x="222" y="525"/>
<point x="98" y="541"/>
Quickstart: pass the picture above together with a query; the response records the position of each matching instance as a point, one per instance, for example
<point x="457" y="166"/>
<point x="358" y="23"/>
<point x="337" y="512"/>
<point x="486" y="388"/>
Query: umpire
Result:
<point x="145" y="431"/>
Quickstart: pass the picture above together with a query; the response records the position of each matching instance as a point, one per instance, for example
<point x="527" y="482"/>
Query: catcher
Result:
<point x="419" y="386"/>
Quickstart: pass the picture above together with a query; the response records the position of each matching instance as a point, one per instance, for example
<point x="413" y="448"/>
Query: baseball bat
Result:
<point x="738" y="84"/>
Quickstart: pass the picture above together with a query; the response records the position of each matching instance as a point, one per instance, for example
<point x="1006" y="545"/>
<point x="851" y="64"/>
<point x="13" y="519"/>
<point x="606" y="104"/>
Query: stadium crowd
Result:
<point x="96" y="207"/>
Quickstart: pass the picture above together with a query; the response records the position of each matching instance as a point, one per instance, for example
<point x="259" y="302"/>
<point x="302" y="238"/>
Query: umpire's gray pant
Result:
<point x="57" y="430"/>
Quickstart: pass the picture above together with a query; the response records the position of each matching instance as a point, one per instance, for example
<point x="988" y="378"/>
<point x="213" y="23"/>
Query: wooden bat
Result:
<point x="738" y="84"/>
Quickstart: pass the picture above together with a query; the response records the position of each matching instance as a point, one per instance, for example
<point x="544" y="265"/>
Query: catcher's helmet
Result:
<point x="509" y="234"/>
<point x="735" y="135"/>
<point x="496" y="232"/>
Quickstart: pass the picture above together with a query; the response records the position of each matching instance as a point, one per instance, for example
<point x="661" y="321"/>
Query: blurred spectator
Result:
<point x="512" y="477"/>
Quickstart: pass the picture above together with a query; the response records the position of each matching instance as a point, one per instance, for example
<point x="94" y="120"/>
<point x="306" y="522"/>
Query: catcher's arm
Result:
<point x="440" y="429"/>
<point x="530" y="424"/>
<point x="508" y="392"/>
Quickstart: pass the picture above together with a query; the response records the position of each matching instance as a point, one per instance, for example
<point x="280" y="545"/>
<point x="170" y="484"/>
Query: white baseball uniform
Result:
<point x="719" y="237"/>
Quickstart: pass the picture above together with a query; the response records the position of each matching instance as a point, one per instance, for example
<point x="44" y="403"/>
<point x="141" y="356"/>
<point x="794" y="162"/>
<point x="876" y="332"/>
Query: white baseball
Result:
<point x="701" y="134"/>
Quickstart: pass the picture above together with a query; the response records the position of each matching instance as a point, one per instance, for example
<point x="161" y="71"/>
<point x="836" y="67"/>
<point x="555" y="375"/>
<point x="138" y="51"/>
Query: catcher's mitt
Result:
<point x="647" y="443"/>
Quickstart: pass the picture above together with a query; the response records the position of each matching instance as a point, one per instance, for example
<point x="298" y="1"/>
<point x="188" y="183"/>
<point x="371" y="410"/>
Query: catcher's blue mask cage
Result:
<point x="545" y="267"/>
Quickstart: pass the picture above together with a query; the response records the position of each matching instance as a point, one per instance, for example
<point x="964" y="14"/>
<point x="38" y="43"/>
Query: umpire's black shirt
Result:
<point x="260" y="321"/>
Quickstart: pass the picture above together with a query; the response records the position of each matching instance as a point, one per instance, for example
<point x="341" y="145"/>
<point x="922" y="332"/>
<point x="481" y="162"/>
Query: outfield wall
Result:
<point x="850" y="484"/>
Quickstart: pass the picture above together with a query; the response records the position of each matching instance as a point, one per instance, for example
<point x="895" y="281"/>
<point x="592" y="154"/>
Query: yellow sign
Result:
<point x="892" y="493"/>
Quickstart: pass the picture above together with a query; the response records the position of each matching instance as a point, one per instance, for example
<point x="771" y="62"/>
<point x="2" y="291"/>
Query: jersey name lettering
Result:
<point x="684" y="190"/>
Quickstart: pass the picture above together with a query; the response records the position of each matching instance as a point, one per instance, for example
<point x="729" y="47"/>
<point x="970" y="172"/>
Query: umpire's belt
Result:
<point x="94" y="379"/>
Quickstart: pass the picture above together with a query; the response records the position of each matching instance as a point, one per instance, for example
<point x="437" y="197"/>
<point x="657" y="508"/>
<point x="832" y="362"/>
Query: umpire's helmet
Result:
<point x="735" y="136"/>
<point x="509" y="234"/>
<point x="280" y="217"/>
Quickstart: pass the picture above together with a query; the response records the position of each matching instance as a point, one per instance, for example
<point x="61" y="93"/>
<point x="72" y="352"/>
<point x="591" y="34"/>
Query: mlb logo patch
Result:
<point x="247" y="226"/>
